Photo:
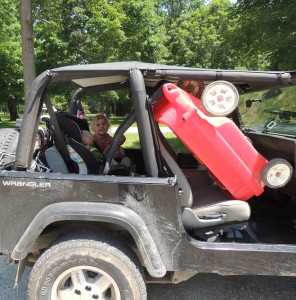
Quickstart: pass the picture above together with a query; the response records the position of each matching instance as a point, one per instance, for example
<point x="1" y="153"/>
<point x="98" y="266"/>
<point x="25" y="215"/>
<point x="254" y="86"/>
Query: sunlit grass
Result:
<point x="132" y="142"/>
<point x="277" y="99"/>
<point x="5" y="123"/>
<point x="116" y="121"/>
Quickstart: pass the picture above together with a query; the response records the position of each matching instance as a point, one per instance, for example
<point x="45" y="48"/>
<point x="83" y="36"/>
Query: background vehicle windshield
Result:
<point x="271" y="111"/>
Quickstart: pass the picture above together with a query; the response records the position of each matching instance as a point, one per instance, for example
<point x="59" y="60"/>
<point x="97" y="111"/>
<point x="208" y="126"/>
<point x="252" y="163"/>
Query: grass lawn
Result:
<point x="132" y="141"/>
<point x="115" y="121"/>
<point x="5" y="123"/>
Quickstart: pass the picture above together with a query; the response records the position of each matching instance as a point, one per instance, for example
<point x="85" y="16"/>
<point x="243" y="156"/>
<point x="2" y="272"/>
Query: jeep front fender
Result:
<point x="100" y="212"/>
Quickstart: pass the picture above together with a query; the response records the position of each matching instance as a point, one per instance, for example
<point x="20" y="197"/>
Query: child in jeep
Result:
<point x="99" y="128"/>
<point x="88" y="142"/>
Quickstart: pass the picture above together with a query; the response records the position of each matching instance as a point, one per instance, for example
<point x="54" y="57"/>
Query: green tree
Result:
<point x="79" y="31"/>
<point x="197" y="36"/>
<point x="265" y="33"/>
<point x="11" y="82"/>
<point x="76" y="32"/>
<point x="144" y="31"/>
<point x="171" y="10"/>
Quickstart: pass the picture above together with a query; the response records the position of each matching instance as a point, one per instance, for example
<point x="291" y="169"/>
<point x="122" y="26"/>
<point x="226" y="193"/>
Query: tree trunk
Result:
<point x="115" y="109"/>
<point x="27" y="44"/>
<point x="12" y="107"/>
<point x="103" y="100"/>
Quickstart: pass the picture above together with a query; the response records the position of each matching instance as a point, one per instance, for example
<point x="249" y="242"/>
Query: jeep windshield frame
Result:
<point x="140" y="77"/>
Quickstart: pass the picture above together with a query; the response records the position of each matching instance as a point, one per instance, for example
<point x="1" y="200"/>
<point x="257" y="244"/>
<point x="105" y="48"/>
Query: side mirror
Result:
<point x="248" y="103"/>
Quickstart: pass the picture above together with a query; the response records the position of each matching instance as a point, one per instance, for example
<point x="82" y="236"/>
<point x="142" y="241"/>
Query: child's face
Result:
<point x="87" y="142"/>
<point x="101" y="127"/>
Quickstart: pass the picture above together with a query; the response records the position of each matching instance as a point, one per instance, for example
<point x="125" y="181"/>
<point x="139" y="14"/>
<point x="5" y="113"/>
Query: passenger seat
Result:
<point x="208" y="207"/>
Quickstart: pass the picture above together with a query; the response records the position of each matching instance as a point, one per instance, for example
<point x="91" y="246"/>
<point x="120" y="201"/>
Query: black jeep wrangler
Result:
<point x="105" y="233"/>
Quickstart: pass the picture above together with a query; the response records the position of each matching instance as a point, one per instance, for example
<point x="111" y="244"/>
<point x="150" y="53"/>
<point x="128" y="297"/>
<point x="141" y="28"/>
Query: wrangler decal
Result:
<point x="24" y="183"/>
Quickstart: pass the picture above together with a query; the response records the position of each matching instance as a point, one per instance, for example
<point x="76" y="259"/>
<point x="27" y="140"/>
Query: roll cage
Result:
<point x="140" y="78"/>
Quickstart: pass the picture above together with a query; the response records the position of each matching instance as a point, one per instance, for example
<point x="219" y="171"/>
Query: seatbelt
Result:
<point x="58" y="136"/>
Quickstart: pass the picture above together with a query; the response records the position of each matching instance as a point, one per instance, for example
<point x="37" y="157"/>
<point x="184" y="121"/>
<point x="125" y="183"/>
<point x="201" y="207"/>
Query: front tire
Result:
<point x="86" y="268"/>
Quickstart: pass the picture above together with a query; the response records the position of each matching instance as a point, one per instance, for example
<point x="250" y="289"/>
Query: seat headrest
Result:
<point x="72" y="125"/>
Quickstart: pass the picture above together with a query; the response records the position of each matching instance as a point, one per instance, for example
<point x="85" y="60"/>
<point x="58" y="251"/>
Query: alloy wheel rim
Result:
<point x="85" y="283"/>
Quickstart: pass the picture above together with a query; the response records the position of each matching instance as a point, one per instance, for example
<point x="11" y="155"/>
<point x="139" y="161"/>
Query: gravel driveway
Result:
<point x="200" y="287"/>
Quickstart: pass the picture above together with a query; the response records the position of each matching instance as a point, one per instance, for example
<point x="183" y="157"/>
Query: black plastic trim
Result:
<point x="100" y="212"/>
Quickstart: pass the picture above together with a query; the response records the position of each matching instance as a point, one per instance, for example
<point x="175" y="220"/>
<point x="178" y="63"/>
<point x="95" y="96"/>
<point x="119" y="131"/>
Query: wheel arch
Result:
<point x="94" y="212"/>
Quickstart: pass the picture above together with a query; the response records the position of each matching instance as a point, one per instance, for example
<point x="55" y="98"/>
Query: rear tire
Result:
<point x="276" y="173"/>
<point x="8" y="143"/>
<point x="90" y="268"/>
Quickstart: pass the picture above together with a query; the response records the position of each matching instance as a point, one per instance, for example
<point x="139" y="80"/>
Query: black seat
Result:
<point x="72" y="127"/>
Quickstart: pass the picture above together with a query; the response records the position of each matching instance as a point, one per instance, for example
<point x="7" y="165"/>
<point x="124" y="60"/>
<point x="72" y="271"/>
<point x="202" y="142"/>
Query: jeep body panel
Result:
<point x="159" y="215"/>
<point x="94" y="212"/>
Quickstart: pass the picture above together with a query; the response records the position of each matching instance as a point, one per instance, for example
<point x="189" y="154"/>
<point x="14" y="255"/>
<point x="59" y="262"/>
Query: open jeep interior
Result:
<point x="208" y="213"/>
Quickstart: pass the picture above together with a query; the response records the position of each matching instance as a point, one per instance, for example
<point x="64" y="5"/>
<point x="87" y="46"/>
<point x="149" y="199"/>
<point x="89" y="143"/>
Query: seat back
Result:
<point x="186" y="198"/>
<point x="72" y="127"/>
<point x="55" y="160"/>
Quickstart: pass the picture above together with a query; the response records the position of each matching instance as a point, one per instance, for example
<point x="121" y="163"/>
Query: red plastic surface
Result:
<point x="216" y="141"/>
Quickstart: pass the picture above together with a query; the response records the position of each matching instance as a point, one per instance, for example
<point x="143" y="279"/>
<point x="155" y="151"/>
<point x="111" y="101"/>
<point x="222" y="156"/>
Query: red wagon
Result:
<point x="219" y="144"/>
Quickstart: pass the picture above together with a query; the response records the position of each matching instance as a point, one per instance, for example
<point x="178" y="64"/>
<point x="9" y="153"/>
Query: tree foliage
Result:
<point x="11" y="82"/>
<point x="199" y="33"/>
<point x="79" y="31"/>
<point x="266" y="32"/>
<point x="197" y="36"/>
